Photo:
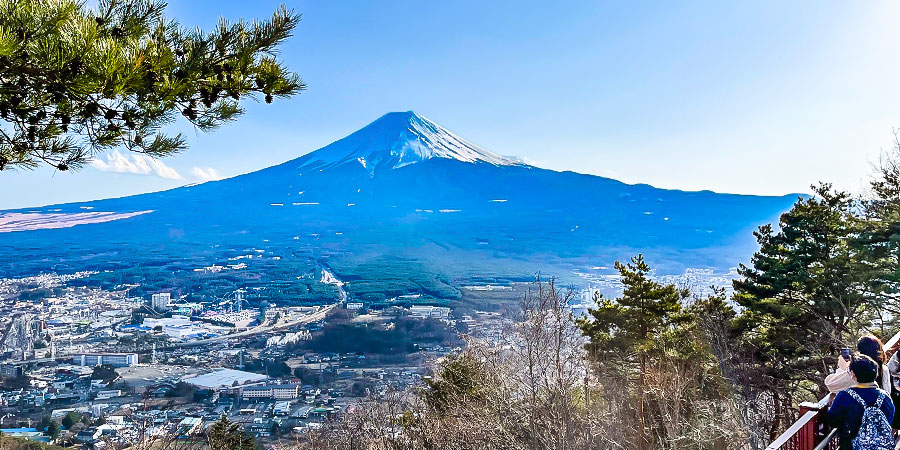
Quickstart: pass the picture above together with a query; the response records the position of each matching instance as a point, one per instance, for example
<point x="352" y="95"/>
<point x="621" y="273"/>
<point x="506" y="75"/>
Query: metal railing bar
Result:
<point x="825" y="442"/>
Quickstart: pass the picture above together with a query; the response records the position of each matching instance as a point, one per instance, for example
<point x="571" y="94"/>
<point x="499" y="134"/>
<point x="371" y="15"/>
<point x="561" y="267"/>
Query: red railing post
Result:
<point x="815" y="429"/>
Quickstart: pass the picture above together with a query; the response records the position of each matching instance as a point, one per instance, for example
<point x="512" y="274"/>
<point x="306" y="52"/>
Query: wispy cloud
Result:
<point x="136" y="164"/>
<point x="533" y="162"/>
<point x="207" y="174"/>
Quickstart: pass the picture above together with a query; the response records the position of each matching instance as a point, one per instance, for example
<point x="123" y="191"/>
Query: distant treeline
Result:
<point x="402" y="335"/>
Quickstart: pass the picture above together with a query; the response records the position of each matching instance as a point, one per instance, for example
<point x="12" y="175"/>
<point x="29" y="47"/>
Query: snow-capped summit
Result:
<point x="399" y="139"/>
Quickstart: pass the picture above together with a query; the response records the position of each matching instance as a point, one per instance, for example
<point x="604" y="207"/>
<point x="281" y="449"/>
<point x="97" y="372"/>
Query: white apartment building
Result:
<point x="110" y="359"/>
<point x="425" y="311"/>
<point x="160" y="301"/>
<point x="272" y="391"/>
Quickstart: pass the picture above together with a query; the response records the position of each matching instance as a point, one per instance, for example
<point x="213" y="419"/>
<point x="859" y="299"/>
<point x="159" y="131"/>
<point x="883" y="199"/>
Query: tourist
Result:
<point x="851" y="414"/>
<point x="867" y="345"/>
<point x="894" y="371"/>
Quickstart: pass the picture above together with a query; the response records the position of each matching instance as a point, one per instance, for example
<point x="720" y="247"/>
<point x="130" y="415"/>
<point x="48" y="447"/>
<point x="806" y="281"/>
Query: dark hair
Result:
<point x="871" y="346"/>
<point x="864" y="367"/>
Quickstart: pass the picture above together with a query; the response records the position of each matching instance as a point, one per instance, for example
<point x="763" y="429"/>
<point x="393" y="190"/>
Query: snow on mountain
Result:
<point x="399" y="139"/>
<point x="367" y="194"/>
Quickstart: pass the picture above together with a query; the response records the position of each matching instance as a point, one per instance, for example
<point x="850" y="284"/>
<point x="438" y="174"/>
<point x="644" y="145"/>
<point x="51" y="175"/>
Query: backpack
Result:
<point x="875" y="431"/>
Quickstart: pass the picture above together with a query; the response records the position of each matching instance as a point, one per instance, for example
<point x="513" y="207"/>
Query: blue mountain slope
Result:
<point x="403" y="185"/>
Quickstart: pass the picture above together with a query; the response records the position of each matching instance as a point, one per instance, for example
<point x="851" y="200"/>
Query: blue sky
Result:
<point x="762" y="97"/>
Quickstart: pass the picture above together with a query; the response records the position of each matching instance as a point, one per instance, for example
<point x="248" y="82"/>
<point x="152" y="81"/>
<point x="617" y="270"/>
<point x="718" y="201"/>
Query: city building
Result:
<point x="238" y="319"/>
<point x="11" y="370"/>
<point x="276" y="392"/>
<point x="190" y="425"/>
<point x="177" y="327"/>
<point x="108" y="394"/>
<point x="160" y="301"/>
<point x="281" y="408"/>
<point x="225" y="379"/>
<point x="111" y="359"/>
<point x="174" y="321"/>
<point x="424" y="311"/>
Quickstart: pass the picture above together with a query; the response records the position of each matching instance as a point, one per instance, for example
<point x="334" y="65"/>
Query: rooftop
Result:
<point x="272" y="386"/>
<point x="224" y="378"/>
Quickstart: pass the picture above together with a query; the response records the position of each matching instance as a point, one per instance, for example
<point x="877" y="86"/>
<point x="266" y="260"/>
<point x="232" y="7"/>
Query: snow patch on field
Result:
<point x="10" y="222"/>
<point x="329" y="278"/>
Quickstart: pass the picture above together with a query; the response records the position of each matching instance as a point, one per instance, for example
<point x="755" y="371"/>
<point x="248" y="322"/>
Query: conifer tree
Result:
<point x="53" y="430"/>
<point x="460" y="380"/>
<point x="227" y="435"/>
<point x="625" y="332"/>
<point x="627" y="325"/>
<point x="802" y="297"/>
<point x="71" y="418"/>
<point x="76" y="81"/>
<point x="879" y="238"/>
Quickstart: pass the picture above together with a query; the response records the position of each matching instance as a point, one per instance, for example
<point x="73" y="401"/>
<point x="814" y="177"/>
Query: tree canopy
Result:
<point x="631" y="324"/>
<point x="76" y="81"/>
<point x="53" y="429"/>
<point x="71" y="418"/>
<point x="105" y="372"/>
<point x="227" y="435"/>
<point x="804" y="290"/>
<point x="655" y="346"/>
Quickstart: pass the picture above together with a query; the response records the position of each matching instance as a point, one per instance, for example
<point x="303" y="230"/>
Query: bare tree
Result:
<point x="535" y="388"/>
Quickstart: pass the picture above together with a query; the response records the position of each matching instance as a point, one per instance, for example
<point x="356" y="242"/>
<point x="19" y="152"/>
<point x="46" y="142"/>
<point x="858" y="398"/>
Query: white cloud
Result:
<point x="163" y="170"/>
<point x="136" y="164"/>
<point x="533" y="162"/>
<point x="207" y="174"/>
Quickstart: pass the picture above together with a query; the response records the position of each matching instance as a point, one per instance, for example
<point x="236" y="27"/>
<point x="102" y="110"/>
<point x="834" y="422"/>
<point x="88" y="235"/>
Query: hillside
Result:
<point x="404" y="189"/>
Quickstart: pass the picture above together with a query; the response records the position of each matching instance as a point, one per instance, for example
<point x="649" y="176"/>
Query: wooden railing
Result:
<point x="809" y="432"/>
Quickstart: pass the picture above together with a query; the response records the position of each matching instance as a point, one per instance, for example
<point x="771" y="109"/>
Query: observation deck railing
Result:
<point x="810" y="432"/>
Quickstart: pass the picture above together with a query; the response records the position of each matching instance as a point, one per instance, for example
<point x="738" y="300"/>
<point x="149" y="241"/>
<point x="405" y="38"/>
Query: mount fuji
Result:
<point x="402" y="189"/>
<point x="396" y="140"/>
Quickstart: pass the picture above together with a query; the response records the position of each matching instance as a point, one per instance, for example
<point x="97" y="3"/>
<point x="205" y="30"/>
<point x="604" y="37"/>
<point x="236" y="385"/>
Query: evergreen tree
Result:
<point x="71" y="418"/>
<point x="226" y="435"/>
<point x="76" y="81"/>
<point x="460" y="381"/>
<point x="801" y="298"/>
<point x="105" y="373"/>
<point x="624" y="333"/>
<point x="626" y="327"/>
<point x="879" y="238"/>
<point x="53" y="430"/>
